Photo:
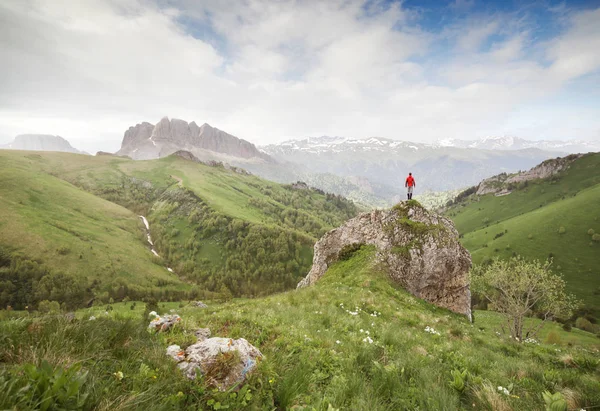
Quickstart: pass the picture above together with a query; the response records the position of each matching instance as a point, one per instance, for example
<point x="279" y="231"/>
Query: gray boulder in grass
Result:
<point x="418" y="249"/>
<point x="223" y="362"/>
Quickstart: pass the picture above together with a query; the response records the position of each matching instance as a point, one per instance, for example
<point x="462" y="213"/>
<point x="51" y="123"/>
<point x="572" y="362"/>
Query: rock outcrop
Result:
<point x="146" y="141"/>
<point x="546" y="169"/>
<point x="41" y="142"/>
<point x="419" y="250"/>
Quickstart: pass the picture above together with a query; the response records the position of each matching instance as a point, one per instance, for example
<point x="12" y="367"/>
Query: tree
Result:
<point x="518" y="288"/>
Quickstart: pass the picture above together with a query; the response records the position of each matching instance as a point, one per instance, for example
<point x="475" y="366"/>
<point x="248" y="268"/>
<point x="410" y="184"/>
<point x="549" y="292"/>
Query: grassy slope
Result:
<point x="571" y="201"/>
<point x="105" y="241"/>
<point x="70" y="230"/>
<point x="316" y="356"/>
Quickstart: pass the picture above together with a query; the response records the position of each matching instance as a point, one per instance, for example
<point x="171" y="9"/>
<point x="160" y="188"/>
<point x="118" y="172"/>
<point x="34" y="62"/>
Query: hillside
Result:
<point x="353" y="341"/>
<point x="528" y="222"/>
<point x="220" y="230"/>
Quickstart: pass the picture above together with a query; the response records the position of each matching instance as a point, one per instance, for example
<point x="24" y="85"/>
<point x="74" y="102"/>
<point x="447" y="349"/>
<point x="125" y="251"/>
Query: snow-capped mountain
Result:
<point x="517" y="143"/>
<point x="317" y="145"/>
<point x="385" y="162"/>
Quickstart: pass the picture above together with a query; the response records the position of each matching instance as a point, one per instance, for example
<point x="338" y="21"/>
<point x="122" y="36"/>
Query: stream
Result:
<point x="145" y="221"/>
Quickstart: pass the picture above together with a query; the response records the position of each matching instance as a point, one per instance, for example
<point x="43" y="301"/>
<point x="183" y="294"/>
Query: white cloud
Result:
<point x="89" y="69"/>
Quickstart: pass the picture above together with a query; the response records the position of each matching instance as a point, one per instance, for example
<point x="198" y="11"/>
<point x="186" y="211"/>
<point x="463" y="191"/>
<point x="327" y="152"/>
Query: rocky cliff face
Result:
<point x="147" y="141"/>
<point x="548" y="168"/>
<point x="41" y="142"/>
<point x="418" y="249"/>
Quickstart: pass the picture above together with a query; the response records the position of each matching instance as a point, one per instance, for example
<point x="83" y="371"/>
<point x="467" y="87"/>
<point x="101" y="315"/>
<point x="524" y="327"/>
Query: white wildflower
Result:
<point x="92" y="318"/>
<point x="362" y="331"/>
<point x="152" y="314"/>
<point x="368" y="339"/>
<point x="430" y="330"/>
<point x="503" y="390"/>
<point x="531" y="341"/>
<point x="338" y="342"/>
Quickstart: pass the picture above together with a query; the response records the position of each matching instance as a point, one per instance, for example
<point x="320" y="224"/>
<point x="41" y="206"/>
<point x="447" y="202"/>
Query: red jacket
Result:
<point x="410" y="181"/>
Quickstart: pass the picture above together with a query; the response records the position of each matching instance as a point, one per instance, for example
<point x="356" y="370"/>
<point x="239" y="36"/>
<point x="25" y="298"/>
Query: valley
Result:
<point x="75" y="218"/>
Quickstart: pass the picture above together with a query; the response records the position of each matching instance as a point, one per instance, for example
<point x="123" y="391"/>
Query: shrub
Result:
<point x="596" y="237"/>
<point x="584" y="324"/>
<point x="553" y="338"/>
<point x="63" y="250"/>
<point x="591" y="231"/>
<point x="530" y="236"/>
<point x="348" y="251"/>
<point x="567" y="327"/>
<point x="562" y="230"/>
<point x="49" y="306"/>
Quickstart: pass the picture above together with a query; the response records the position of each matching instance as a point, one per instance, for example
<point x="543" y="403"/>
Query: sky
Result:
<point x="268" y="71"/>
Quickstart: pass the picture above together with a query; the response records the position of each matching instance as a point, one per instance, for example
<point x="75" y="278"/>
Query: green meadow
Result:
<point x="354" y="341"/>
<point x="543" y="219"/>
<point x="74" y="219"/>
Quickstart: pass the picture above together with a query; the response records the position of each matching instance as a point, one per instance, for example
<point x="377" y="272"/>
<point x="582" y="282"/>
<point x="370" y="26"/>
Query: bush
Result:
<point x="48" y="307"/>
<point x="63" y="250"/>
<point x="348" y="251"/>
<point x="562" y="230"/>
<point x="567" y="327"/>
<point x="553" y="338"/>
<point x="596" y="237"/>
<point x="584" y="324"/>
<point x="530" y="236"/>
<point x="591" y="231"/>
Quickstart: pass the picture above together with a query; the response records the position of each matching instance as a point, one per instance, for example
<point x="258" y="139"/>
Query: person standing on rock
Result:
<point x="409" y="184"/>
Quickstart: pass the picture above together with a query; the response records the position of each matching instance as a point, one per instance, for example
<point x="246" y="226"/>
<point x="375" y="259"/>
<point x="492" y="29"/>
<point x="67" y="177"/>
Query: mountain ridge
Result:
<point x="146" y="141"/>
<point x="41" y="142"/>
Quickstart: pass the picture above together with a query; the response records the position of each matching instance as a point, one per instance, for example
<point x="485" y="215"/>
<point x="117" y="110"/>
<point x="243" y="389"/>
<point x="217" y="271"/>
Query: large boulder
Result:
<point x="419" y="250"/>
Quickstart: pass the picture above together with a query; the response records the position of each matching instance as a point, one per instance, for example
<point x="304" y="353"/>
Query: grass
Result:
<point x="527" y="223"/>
<point x="70" y="230"/>
<point x="317" y="352"/>
<point x="78" y="215"/>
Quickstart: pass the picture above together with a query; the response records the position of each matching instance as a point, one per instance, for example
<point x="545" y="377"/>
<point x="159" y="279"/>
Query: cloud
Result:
<point x="266" y="71"/>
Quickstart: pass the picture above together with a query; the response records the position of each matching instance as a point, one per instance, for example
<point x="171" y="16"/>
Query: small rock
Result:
<point x="199" y="304"/>
<point x="164" y="323"/>
<point x="176" y="353"/>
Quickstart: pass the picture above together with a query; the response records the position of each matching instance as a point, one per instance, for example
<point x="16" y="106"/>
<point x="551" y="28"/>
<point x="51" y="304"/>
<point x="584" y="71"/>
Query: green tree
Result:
<point x="518" y="288"/>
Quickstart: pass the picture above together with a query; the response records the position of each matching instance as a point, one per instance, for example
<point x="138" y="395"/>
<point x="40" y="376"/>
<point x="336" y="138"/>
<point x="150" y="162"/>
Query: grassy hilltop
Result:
<point x="353" y="341"/>
<point x="541" y="219"/>
<point x="70" y="230"/>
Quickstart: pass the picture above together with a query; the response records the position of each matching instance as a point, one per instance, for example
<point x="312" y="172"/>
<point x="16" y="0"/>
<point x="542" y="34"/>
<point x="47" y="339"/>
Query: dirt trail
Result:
<point x="179" y="180"/>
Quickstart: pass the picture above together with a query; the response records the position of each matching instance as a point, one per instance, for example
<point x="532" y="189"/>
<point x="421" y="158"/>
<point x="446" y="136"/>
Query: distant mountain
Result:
<point x="41" y="142"/>
<point x="385" y="163"/>
<point x="516" y="143"/>
<point x="146" y="141"/>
